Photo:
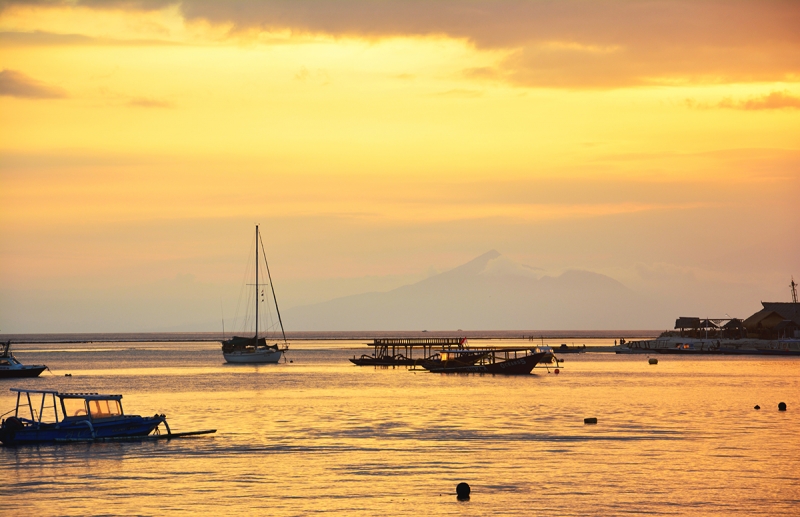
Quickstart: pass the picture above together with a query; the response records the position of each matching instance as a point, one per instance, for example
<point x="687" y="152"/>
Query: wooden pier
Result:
<point x="401" y="351"/>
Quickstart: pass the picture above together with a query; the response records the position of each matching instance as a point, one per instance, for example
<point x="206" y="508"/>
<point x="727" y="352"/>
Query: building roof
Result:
<point x="765" y="317"/>
<point x="789" y="311"/>
<point x="685" y="322"/>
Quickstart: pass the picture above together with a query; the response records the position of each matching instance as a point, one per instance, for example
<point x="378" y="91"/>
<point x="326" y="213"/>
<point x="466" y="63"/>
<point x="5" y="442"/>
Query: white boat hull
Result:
<point x="254" y="357"/>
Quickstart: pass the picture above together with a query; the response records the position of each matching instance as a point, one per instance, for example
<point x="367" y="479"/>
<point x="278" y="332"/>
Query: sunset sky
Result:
<point x="379" y="142"/>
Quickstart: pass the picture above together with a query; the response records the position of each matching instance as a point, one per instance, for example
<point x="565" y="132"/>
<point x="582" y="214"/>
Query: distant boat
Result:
<point x="255" y="350"/>
<point x="47" y="416"/>
<point x="564" y="349"/>
<point x="10" y="368"/>
<point x="505" y="361"/>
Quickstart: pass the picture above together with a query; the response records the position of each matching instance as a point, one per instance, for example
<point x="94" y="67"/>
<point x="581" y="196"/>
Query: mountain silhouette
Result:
<point x="489" y="292"/>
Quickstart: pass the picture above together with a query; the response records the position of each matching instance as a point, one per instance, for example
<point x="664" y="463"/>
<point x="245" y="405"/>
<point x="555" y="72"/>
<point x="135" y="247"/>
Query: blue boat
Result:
<point x="47" y="416"/>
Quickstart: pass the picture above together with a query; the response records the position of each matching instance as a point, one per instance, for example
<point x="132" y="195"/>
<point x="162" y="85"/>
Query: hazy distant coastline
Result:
<point x="143" y="337"/>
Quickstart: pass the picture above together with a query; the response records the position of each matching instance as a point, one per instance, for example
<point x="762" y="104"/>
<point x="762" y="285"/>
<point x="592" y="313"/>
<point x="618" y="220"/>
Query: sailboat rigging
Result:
<point x="255" y="349"/>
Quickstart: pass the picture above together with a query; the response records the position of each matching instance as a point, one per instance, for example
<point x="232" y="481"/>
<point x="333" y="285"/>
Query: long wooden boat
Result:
<point x="517" y="361"/>
<point x="722" y="346"/>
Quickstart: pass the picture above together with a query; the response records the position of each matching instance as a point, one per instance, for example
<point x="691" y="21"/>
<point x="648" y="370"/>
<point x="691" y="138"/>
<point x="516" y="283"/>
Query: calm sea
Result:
<point x="318" y="434"/>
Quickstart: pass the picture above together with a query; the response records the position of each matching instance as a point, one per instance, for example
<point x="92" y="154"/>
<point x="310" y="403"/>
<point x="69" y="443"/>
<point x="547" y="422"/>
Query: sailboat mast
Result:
<point x="256" y="282"/>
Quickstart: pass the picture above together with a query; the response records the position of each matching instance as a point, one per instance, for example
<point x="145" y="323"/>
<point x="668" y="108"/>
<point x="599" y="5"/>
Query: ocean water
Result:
<point x="320" y="435"/>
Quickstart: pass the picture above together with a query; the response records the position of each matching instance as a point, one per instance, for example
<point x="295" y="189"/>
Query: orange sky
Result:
<point x="377" y="142"/>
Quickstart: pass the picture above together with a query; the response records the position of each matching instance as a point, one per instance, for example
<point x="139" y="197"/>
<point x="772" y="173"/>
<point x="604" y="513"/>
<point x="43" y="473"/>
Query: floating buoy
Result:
<point x="653" y="360"/>
<point x="782" y="406"/>
<point x="556" y="371"/>
<point x="757" y="407"/>
<point x="591" y="420"/>
<point x="462" y="491"/>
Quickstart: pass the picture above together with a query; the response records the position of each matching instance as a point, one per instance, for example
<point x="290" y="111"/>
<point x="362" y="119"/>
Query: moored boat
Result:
<point x="48" y="416"/>
<point x="11" y="368"/>
<point x="255" y="350"/>
<point x="565" y="349"/>
<point x="250" y="350"/>
<point x="774" y="330"/>
<point x="506" y="361"/>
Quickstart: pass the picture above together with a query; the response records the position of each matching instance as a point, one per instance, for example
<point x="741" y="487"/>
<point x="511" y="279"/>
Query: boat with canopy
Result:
<point x="50" y="416"/>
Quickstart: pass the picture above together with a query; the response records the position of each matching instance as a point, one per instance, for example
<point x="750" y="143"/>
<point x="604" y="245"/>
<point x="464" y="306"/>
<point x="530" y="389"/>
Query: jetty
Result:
<point x="404" y="351"/>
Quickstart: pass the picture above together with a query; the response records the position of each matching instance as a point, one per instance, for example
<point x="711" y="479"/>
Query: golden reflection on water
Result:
<point x="322" y="435"/>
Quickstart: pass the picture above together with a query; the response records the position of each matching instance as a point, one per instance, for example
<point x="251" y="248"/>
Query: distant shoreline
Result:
<point x="150" y="337"/>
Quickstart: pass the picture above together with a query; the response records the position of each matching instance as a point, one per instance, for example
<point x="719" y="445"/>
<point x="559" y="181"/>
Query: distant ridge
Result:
<point x="488" y="292"/>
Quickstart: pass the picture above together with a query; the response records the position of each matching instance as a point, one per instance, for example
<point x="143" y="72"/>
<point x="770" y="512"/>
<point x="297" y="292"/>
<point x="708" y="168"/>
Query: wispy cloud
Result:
<point x="775" y="100"/>
<point x="53" y="39"/>
<point x="17" y="84"/>
<point x="771" y="101"/>
<point x="145" y="102"/>
<point x="460" y="92"/>
<point x="139" y="5"/>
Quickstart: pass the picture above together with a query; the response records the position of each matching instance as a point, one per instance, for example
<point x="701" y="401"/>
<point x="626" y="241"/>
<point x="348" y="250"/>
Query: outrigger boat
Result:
<point x="10" y="368"/>
<point x="506" y="361"/>
<point x="47" y="416"/>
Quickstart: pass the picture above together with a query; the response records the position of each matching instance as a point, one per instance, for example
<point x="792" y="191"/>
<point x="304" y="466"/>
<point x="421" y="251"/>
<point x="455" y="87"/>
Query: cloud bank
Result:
<point x="578" y="44"/>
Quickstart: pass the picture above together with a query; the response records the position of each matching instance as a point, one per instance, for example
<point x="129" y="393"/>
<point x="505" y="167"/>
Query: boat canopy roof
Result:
<point x="86" y="396"/>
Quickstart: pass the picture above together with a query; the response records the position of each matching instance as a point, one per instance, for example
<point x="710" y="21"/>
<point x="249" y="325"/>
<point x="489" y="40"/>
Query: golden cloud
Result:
<point x="16" y="84"/>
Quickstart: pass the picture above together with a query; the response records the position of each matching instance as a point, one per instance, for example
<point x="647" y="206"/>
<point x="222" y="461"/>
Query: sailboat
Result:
<point x="255" y="350"/>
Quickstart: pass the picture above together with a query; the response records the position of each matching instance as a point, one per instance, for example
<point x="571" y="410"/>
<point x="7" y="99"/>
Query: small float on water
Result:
<point x="11" y="368"/>
<point x="48" y="416"/>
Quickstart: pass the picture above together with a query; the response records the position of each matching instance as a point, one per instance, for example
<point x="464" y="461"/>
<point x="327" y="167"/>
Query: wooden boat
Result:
<point x="47" y="416"/>
<point x="505" y="361"/>
<point x="255" y="350"/>
<point x="454" y="358"/>
<point x="11" y="368"/>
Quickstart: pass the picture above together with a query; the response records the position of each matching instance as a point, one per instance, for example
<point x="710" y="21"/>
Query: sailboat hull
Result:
<point x="253" y="357"/>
